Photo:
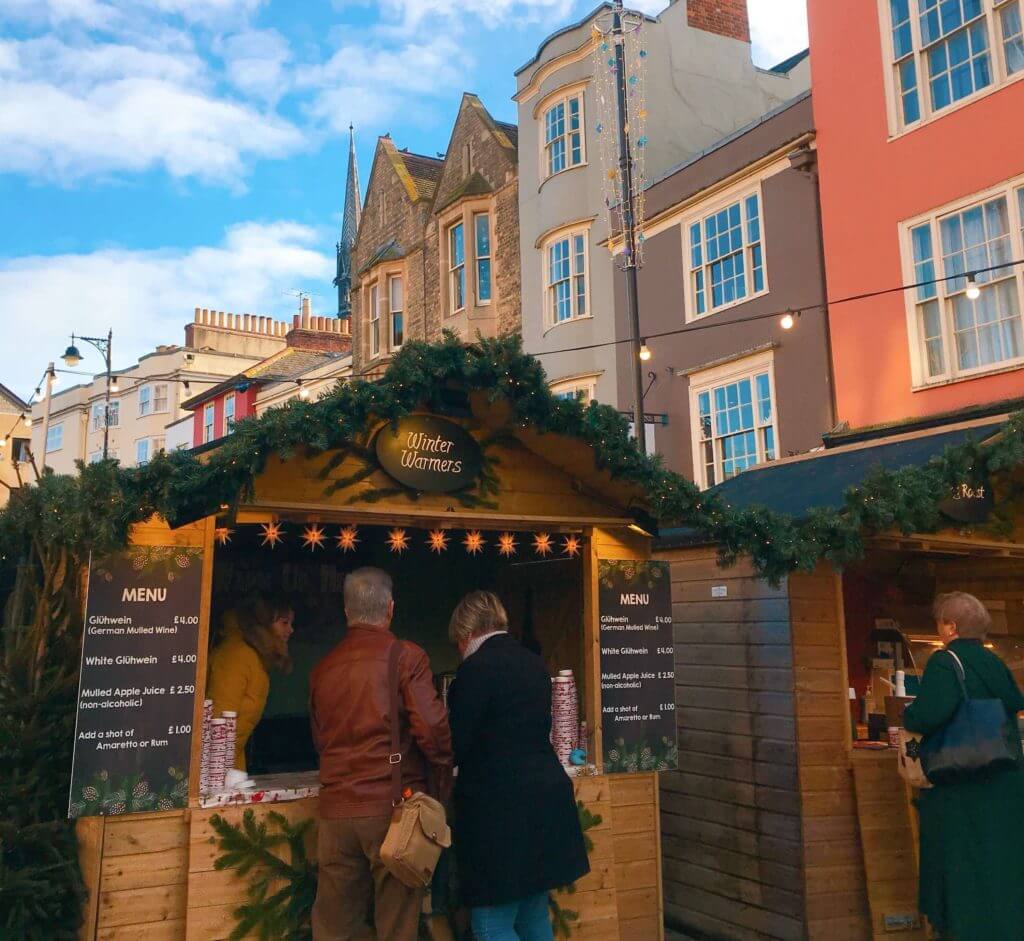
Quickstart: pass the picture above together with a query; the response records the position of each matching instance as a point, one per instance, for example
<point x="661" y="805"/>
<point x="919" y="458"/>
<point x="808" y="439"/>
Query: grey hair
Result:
<point x="480" y="612"/>
<point x="367" y="596"/>
<point x="967" y="612"/>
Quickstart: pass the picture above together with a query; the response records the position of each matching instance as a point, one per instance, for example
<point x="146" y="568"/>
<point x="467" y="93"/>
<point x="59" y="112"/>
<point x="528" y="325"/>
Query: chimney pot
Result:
<point x="197" y="316"/>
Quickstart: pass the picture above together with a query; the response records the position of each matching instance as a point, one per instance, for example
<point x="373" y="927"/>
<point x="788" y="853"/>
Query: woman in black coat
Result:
<point x="517" y="832"/>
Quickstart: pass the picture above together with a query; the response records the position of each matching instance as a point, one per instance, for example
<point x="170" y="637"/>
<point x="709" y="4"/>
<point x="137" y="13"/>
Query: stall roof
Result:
<point x="820" y="480"/>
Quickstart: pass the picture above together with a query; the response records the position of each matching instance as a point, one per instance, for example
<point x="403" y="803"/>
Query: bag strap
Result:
<point x="960" y="674"/>
<point x="395" y="758"/>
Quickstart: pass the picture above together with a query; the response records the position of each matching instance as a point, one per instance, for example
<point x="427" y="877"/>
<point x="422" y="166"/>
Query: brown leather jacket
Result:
<point x="349" y="710"/>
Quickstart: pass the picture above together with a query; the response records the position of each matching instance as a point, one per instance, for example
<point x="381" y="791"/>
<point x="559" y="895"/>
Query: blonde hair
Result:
<point x="480" y="612"/>
<point x="256" y="620"/>
<point x="967" y="612"/>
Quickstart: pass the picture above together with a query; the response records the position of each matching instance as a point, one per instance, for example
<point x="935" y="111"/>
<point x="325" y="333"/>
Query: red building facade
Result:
<point x="917" y="107"/>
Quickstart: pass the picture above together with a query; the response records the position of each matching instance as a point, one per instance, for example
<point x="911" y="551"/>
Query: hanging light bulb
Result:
<point x="788" y="321"/>
<point x="303" y="391"/>
<point x="3" y="442"/>
<point x="28" y="421"/>
<point x="973" y="291"/>
<point x="114" y="387"/>
<point x="645" y="351"/>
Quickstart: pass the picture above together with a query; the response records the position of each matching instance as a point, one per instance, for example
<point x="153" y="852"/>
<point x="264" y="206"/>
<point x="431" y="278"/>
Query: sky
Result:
<point x="158" y="155"/>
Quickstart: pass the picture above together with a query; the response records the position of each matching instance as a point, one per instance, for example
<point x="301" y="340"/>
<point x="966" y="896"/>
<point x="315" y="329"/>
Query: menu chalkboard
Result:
<point x="638" y="719"/>
<point x="138" y="682"/>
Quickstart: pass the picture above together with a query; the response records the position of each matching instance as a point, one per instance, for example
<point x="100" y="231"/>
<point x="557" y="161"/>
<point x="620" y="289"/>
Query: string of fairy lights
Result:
<point x="398" y="540"/>
<point x="606" y="70"/>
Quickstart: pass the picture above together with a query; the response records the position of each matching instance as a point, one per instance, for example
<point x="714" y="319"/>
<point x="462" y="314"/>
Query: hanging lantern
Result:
<point x="348" y="538"/>
<point x="313" y="537"/>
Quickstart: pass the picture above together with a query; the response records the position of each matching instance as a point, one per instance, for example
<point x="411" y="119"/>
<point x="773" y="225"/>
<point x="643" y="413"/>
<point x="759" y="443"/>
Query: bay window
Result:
<point x="944" y="51"/>
<point x="482" y="235"/>
<point x="374" y="321"/>
<point x="566" y="296"/>
<point x="735" y="425"/>
<point x="955" y="335"/>
<point x="726" y="256"/>
<point x="160" y="397"/>
<point x="563" y="134"/>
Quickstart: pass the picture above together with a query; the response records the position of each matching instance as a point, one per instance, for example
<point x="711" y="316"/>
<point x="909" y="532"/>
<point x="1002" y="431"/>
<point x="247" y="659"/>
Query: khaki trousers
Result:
<point x="353" y="882"/>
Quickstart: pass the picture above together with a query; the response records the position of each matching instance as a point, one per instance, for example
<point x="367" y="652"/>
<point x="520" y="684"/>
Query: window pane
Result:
<point x="395" y="285"/>
<point x="397" y="331"/>
<point x="695" y="247"/>
<point x="142" y="451"/>
<point x="1013" y="38"/>
<point x="483" y="280"/>
<point x="458" y="251"/>
<point x="483" y="236"/>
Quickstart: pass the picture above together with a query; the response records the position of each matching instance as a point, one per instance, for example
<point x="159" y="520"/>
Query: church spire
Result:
<point x="349" y="226"/>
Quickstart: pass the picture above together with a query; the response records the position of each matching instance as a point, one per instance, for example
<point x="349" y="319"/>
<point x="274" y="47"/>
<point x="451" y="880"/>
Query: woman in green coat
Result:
<point x="972" y="832"/>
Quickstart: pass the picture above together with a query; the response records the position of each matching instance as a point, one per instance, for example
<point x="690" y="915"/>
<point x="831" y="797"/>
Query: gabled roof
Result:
<point x="11" y="402"/>
<point x="473" y="185"/>
<point x="390" y="251"/>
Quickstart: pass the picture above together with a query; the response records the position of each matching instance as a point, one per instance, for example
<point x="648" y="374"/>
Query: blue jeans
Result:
<point x="525" y="920"/>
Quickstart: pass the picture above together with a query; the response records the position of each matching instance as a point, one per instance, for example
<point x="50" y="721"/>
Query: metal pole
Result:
<point x="628" y="227"/>
<point x="106" y="407"/>
<point x="50" y="374"/>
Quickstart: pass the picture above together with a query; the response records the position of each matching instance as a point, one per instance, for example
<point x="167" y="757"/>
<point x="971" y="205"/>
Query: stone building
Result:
<point x="438" y="242"/>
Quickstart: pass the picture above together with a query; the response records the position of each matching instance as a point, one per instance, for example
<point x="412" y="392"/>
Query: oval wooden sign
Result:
<point x="427" y="453"/>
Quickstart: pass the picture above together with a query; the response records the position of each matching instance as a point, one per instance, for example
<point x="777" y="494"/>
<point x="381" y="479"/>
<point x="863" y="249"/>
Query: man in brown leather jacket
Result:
<point x="349" y="710"/>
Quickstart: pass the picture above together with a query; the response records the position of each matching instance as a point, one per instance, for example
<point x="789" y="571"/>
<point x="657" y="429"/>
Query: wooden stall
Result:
<point x="779" y="825"/>
<point x="152" y="874"/>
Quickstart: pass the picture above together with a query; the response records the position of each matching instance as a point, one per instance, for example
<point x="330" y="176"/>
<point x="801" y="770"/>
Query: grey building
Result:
<point x="700" y="86"/>
<point x="733" y="242"/>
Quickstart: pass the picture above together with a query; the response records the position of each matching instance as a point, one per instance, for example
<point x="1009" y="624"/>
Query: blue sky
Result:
<point x="164" y="154"/>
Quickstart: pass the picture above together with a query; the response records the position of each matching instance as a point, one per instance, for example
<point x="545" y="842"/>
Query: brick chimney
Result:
<point x="323" y="334"/>
<point x="725" y="17"/>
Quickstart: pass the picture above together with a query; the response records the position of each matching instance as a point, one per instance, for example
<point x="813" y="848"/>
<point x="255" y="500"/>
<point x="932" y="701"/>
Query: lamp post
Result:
<point x="73" y="357"/>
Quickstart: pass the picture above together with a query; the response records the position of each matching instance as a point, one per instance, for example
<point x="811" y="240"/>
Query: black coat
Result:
<point x="517" y="831"/>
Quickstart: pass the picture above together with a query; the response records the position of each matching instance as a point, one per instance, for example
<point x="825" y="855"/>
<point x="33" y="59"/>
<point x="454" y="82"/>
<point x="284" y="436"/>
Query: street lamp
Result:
<point x="72" y="356"/>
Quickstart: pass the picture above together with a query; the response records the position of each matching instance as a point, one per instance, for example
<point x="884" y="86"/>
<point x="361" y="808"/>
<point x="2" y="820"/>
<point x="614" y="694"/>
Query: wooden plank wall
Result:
<point x="730" y="817"/>
<point x="834" y="882"/>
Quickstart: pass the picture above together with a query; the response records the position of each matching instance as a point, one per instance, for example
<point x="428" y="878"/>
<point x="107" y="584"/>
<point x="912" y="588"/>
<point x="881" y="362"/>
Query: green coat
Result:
<point x="972" y="833"/>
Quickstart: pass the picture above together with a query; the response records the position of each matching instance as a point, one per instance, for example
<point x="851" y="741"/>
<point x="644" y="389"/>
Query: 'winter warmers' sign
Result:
<point x="427" y="453"/>
<point x="138" y="682"/>
<point x="638" y="717"/>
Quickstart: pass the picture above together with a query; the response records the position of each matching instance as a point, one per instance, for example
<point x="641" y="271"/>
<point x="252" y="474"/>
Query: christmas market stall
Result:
<point x="457" y="491"/>
<point x="790" y="691"/>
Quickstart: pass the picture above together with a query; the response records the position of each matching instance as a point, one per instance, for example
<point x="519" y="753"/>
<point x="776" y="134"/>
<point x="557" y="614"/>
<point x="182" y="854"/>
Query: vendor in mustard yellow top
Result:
<point x="255" y="642"/>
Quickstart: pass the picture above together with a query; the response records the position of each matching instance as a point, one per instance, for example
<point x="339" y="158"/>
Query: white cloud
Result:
<point x="121" y="14"/>
<point x="96" y="108"/>
<point x="147" y="296"/>
<point x="409" y="15"/>
<point x="255" y="61"/>
<point x="778" y="29"/>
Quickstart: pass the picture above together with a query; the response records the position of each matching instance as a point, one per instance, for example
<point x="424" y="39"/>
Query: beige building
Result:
<point x="14" y="443"/>
<point x="150" y="393"/>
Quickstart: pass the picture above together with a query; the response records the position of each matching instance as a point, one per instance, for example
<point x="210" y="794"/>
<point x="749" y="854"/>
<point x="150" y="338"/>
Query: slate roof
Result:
<point x="390" y="251"/>
<point x="425" y="172"/>
<point x="511" y="131"/>
<point x="11" y="402"/>
<point x="787" y="65"/>
<point x="472" y="185"/>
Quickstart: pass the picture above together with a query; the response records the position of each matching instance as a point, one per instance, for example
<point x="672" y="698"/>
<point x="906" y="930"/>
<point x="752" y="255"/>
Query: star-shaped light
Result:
<point x="272" y="534"/>
<point x="223" y="535"/>
<point x="398" y="540"/>
<point x="542" y="544"/>
<point x="437" y="540"/>
<point x="313" y="537"/>
<point x="507" y="545"/>
<point x="474" y="542"/>
<point x="347" y="539"/>
<point x="571" y="546"/>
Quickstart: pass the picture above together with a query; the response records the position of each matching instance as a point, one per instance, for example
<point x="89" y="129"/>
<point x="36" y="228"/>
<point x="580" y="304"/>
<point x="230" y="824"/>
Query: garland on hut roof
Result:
<point x="94" y="510"/>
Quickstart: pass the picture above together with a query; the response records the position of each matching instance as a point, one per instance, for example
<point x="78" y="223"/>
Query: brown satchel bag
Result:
<point x="418" y="830"/>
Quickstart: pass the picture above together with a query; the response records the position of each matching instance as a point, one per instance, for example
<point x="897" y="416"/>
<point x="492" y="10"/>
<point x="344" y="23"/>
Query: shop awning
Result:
<point x="799" y="485"/>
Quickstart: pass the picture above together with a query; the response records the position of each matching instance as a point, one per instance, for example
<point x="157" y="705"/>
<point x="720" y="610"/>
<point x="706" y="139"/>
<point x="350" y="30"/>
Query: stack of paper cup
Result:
<point x="204" y="761"/>
<point x="231" y="718"/>
<point x="218" y="755"/>
<point x="565" y="717"/>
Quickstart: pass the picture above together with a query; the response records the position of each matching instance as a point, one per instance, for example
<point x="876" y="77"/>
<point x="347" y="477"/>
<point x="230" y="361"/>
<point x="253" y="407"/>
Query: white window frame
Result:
<point x="56" y="433"/>
<point x="373" y="325"/>
<point x="455" y="271"/>
<point x="991" y="12"/>
<point x="564" y="98"/>
<point x="209" y="422"/>
<point x="549" y="287"/>
<point x="145" y="401"/>
<point x="96" y="456"/>
<point x="699" y="216"/>
<point x="161" y="394"/>
<point x="229" y="419"/>
<point x="945" y="291"/>
<point x="707" y="380"/>
<point x="581" y="388"/>
<point x="140" y="458"/>
<point x="391" y="280"/>
<point x="479" y="259"/>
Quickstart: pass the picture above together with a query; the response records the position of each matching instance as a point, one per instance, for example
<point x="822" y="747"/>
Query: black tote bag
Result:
<point x="972" y="743"/>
